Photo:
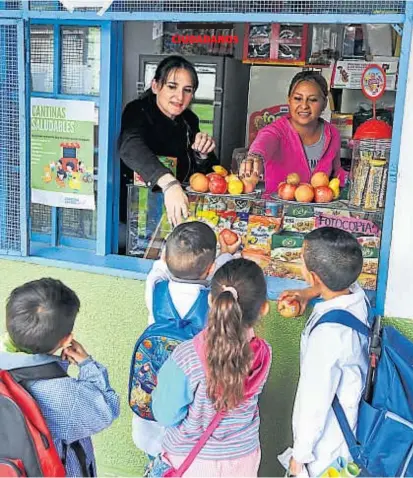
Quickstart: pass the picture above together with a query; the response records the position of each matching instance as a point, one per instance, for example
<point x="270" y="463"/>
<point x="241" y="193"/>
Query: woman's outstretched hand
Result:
<point x="176" y="201"/>
<point x="251" y="166"/>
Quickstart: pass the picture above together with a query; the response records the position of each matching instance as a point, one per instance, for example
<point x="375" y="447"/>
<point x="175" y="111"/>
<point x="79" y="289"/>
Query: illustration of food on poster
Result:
<point x="62" y="153"/>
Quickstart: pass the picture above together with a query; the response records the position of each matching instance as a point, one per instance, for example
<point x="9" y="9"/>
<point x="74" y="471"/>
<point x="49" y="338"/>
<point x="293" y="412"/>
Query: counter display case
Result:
<point x="272" y="230"/>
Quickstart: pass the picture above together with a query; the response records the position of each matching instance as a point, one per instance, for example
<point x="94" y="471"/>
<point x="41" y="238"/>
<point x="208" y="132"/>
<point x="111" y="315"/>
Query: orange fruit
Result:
<point x="319" y="179"/>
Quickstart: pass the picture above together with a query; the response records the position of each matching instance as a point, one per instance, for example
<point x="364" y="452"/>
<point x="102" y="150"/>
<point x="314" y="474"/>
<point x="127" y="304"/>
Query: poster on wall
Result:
<point x="61" y="153"/>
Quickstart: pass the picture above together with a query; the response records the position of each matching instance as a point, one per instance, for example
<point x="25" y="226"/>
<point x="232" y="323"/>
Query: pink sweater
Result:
<point x="283" y="152"/>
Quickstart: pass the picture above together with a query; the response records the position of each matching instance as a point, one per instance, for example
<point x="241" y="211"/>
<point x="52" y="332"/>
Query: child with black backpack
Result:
<point x="177" y="290"/>
<point x="48" y="430"/>
<point x="333" y="357"/>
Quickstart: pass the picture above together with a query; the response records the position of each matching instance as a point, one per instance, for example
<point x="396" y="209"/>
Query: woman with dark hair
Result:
<point x="159" y="123"/>
<point x="301" y="142"/>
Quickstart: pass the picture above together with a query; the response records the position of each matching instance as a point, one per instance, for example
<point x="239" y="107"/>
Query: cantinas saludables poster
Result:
<point x="61" y="151"/>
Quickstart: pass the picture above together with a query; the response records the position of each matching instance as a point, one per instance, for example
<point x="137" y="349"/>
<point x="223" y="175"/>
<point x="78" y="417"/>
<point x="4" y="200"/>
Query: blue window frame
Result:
<point x="59" y="57"/>
<point x="58" y="249"/>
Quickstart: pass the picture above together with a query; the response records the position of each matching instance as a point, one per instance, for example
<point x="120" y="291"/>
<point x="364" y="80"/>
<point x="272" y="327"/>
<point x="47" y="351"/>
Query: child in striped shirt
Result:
<point x="224" y="368"/>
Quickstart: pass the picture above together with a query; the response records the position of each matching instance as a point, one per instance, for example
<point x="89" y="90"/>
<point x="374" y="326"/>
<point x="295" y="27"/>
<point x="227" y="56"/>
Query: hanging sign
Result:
<point x="373" y="84"/>
<point x="62" y="151"/>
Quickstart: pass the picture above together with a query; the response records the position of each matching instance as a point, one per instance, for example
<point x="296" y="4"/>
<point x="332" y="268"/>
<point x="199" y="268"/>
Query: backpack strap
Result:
<point x="345" y="318"/>
<point x="214" y="424"/>
<point x="164" y="304"/>
<point x="77" y="448"/>
<point x="351" y="441"/>
<point x="49" y="371"/>
<point x="37" y="372"/>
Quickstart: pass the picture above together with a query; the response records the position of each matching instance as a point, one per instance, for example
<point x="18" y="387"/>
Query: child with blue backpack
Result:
<point x="208" y="389"/>
<point x="333" y="357"/>
<point x="177" y="291"/>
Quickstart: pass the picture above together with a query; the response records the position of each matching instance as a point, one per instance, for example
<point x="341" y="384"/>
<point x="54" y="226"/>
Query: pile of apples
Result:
<point x="320" y="189"/>
<point x="221" y="182"/>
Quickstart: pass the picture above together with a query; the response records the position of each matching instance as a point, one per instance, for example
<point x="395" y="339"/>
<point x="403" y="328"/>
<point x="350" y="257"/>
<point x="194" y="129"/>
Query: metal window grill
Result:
<point x="41" y="218"/>
<point x="243" y="6"/>
<point x="41" y="57"/>
<point x="78" y="223"/>
<point x="10" y="237"/>
<point x="80" y="60"/>
<point x="10" y="5"/>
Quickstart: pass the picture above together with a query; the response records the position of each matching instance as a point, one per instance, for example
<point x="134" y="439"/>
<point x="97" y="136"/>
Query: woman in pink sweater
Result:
<point x="301" y="142"/>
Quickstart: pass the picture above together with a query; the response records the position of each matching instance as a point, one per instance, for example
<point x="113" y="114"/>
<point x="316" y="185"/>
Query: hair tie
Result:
<point x="232" y="290"/>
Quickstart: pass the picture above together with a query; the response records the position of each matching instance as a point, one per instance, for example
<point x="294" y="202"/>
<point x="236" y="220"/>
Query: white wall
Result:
<point x="399" y="297"/>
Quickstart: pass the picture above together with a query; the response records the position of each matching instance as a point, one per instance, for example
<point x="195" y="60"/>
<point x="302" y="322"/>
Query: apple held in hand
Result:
<point x="229" y="237"/>
<point x="286" y="191"/>
<point x="289" y="308"/>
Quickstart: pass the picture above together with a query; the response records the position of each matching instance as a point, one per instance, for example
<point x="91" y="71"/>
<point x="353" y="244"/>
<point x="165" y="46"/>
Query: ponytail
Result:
<point x="228" y="351"/>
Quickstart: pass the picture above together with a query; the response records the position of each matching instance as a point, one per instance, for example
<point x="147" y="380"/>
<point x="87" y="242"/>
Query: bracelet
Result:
<point x="172" y="183"/>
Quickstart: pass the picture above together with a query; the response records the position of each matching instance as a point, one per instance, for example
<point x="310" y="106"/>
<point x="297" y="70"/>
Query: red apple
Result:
<point x="212" y="176"/>
<point x="217" y="184"/>
<point x="286" y="191"/>
<point x="304" y="193"/>
<point x="289" y="308"/>
<point x="323" y="194"/>
<point x="229" y="237"/>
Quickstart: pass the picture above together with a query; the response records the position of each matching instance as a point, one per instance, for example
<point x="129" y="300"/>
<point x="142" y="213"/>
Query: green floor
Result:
<point x="113" y="314"/>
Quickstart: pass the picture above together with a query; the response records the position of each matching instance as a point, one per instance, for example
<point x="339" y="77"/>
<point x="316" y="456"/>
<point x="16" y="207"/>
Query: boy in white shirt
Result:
<point x="334" y="358"/>
<point x="187" y="264"/>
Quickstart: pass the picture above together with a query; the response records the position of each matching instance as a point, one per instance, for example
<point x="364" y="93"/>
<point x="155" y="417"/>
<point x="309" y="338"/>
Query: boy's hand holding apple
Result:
<point x="229" y="241"/>
<point x="293" y="303"/>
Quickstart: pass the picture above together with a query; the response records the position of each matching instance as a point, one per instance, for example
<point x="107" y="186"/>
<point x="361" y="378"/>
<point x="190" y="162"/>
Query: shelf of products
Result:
<point x="275" y="44"/>
<point x="272" y="231"/>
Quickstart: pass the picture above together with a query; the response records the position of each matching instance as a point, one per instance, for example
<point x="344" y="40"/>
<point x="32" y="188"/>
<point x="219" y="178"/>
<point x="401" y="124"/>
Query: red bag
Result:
<point x="26" y="445"/>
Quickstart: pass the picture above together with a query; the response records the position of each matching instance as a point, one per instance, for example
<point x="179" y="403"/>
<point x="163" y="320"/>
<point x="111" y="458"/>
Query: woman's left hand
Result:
<point x="203" y="143"/>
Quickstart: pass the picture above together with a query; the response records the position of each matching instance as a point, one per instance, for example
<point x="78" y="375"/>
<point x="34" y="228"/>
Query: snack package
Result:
<point x="299" y="218"/>
<point x="226" y="219"/>
<point x="370" y="265"/>
<point x="240" y="226"/>
<point x="369" y="242"/>
<point x="260" y="232"/>
<point x="284" y="270"/>
<point x="287" y="248"/>
<point x="367" y="281"/>
<point x="374" y="185"/>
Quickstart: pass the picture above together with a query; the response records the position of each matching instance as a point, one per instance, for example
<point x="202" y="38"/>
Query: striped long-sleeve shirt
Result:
<point x="180" y="402"/>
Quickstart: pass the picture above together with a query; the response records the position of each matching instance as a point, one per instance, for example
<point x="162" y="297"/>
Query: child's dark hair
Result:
<point x="311" y="76"/>
<point x="39" y="314"/>
<point x="190" y="250"/>
<point x="231" y="314"/>
<point x="170" y="64"/>
<point x="334" y="255"/>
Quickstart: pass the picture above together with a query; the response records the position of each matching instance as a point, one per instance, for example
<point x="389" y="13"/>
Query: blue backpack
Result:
<point x="157" y="343"/>
<point x="384" y="442"/>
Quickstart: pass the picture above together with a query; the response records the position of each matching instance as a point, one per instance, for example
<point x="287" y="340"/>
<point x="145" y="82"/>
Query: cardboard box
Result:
<point x="347" y="73"/>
